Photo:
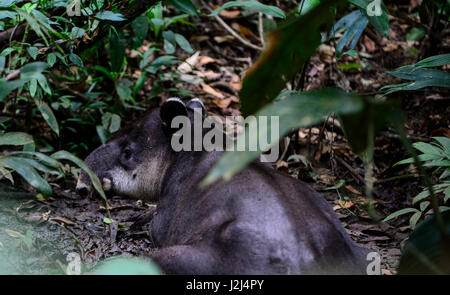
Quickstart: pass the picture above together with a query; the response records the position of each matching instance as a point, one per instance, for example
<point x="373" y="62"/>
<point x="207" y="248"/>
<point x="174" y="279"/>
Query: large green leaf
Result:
<point x="117" y="45"/>
<point x="48" y="115"/>
<point x="298" y="110"/>
<point x="423" y="251"/>
<point x="434" y="61"/>
<point x="381" y="22"/>
<point x="15" y="138"/>
<point x="28" y="173"/>
<point x="109" y="15"/>
<point x="354" y="24"/>
<point x="64" y="155"/>
<point x="415" y="73"/>
<point x="183" y="5"/>
<point x="252" y="4"/>
<point x="290" y="46"/>
<point x="375" y="115"/>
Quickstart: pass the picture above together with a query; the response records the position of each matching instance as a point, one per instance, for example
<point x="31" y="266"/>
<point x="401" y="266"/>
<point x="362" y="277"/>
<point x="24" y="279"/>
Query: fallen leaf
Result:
<point x="369" y="44"/>
<point x="345" y="204"/>
<point x="390" y="47"/>
<point x="243" y="30"/>
<point x="230" y="13"/>
<point x="221" y="39"/>
<point x="203" y="60"/>
<point x="208" y="89"/>
<point x="189" y="63"/>
<point x="352" y="189"/>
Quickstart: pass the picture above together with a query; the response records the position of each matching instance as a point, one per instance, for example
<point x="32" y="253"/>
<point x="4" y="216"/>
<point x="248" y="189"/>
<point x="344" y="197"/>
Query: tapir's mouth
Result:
<point x="84" y="189"/>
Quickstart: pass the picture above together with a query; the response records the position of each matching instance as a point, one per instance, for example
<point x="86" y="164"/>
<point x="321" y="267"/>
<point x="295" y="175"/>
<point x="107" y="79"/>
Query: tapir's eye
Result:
<point x="127" y="154"/>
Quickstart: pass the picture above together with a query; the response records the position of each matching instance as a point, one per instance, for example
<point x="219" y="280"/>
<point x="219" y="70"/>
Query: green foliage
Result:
<point x="295" y="111"/>
<point x="420" y="75"/>
<point x="423" y="252"/>
<point x="437" y="156"/>
<point x="291" y="45"/>
<point x="254" y="5"/>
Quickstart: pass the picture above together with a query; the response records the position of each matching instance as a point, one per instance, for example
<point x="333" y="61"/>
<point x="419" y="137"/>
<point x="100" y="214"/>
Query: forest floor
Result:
<point x="42" y="232"/>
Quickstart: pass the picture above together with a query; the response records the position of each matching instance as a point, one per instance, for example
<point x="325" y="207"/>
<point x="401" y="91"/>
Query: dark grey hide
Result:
<point x="259" y="222"/>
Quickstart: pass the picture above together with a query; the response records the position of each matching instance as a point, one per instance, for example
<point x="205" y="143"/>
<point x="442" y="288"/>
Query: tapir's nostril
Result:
<point x="82" y="191"/>
<point x="106" y="184"/>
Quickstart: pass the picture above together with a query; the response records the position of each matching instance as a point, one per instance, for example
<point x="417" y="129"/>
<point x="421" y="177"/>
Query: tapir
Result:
<point x="259" y="222"/>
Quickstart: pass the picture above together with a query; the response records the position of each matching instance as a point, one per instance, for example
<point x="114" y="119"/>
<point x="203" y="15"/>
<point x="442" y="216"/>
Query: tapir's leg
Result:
<point x="184" y="259"/>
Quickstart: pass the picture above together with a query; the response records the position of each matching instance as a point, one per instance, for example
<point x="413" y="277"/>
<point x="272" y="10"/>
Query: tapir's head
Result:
<point x="133" y="162"/>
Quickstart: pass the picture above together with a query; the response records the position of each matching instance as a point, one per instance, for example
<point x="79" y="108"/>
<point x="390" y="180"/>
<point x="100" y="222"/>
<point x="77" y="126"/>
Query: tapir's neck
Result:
<point x="186" y="172"/>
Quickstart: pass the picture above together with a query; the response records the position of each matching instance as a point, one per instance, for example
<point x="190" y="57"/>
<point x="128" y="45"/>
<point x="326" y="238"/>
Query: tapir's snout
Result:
<point x="83" y="187"/>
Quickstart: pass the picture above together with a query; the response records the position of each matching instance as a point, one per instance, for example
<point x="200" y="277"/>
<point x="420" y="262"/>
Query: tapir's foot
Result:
<point x="143" y="219"/>
<point x="186" y="260"/>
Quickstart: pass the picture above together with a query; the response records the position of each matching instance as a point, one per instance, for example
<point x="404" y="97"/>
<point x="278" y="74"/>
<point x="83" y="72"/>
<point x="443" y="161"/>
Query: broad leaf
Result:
<point x="109" y="15"/>
<point x="48" y="115"/>
<point x="28" y="173"/>
<point x="354" y="24"/>
<point x="298" y="110"/>
<point x="423" y="251"/>
<point x="63" y="155"/>
<point x="289" y="47"/>
<point x="15" y="138"/>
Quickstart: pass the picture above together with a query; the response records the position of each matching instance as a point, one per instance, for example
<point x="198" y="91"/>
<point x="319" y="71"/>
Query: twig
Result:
<point x="350" y="168"/>
<point x="261" y="28"/>
<point x="231" y="31"/>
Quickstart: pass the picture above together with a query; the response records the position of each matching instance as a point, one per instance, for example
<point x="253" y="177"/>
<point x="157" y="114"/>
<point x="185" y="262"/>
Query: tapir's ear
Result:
<point x="196" y="104"/>
<point x="171" y="108"/>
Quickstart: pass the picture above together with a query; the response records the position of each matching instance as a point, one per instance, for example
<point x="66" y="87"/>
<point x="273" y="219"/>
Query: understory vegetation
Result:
<point x="361" y="90"/>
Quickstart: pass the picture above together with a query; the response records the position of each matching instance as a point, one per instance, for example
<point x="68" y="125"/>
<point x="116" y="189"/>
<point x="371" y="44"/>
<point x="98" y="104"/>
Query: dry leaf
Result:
<point x="352" y="189"/>
<point x="243" y="30"/>
<point x="230" y="13"/>
<point x="208" y="89"/>
<point x="189" y="63"/>
<point x="390" y="47"/>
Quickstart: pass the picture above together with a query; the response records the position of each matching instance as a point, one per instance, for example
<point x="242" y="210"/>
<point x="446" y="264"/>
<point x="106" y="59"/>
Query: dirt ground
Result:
<point x="67" y="223"/>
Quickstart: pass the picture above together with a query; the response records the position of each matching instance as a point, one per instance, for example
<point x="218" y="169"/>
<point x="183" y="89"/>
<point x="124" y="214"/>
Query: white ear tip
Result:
<point x="175" y="99"/>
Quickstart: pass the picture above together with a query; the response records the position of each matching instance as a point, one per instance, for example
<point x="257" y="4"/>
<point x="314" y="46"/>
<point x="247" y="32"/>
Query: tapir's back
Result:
<point x="259" y="222"/>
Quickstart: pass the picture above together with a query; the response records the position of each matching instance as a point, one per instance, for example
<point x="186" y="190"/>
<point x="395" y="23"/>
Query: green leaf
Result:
<point x="289" y="47"/>
<point x="51" y="59"/>
<point x="28" y="173"/>
<point x="76" y="60"/>
<point x="109" y="15"/>
<point x="400" y="212"/>
<point x="252" y="4"/>
<point x="414" y="219"/>
<point x="48" y="115"/>
<point x="375" y="114"/>
<point x="415" y="73"/>
<point x="123" y="89"/>
<point x="307" y="5"/>
<point x="427" y="148"/>
<point x="298" y="110"/>
<point x="183" y="43"/>
<point x="76" y="33"/>
<point x="381" y="23"/>
<point x="63" y="155"/>
<point x="33" y="52"/>
<point x="415" y="34"/>
<point x="354" y="24"/>
<point x="434" y="61"/>
<point x="15" y="138"/>
<point x="422" y="253"/>
<point x="117" y="45"/>
<point x="183" y="5"/>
